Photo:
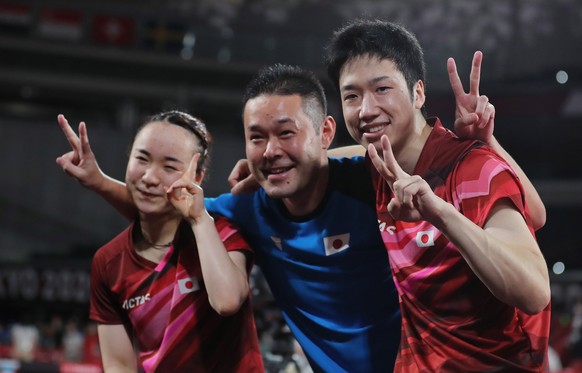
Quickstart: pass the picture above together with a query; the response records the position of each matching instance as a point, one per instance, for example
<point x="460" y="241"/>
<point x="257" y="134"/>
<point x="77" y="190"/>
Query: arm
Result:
<point x="347" y="151"/>
<point x="117" y="351"/>
<point x="474" y="119"/>
<point x="225" y="273"/>
<point x="534" y="201"/>
<point x="80" y="163"/>
<point x="503" y="254"/>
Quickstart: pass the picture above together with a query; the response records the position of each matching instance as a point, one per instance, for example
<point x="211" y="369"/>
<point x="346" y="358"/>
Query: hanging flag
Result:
<point x="163" y="36"/>
<point x="61" y="24"/>
<point x="113" y="30"/>
<point x="15" y="19"/>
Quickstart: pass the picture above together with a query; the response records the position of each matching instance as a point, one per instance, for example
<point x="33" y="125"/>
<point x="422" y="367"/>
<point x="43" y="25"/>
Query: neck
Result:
<point x="157" y="235"/>
<point x="307" y="201"/>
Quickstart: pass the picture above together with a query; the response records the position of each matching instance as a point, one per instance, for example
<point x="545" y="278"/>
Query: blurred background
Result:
<point x="110" y="63"/>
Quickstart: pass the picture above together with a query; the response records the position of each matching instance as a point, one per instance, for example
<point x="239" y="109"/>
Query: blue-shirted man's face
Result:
<point x="284" y="151"/>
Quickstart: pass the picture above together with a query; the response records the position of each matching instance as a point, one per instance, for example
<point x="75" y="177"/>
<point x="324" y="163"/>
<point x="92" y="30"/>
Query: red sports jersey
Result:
<point x="451" y="321"/>
<point x="165" y="307"/>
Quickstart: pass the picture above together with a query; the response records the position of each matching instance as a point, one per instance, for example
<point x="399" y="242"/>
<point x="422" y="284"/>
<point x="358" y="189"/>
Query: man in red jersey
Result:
<point x="473" y="284"/>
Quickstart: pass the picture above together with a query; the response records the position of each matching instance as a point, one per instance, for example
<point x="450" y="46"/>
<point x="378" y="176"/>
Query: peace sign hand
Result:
<point x="413" y="199"/>
<point x="186" y="195"/>
<point x="474" y="115"/>
<point x="80" y="162"/>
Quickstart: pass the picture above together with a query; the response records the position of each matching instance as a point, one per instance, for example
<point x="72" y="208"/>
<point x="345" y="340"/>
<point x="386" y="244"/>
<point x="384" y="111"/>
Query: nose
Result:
<point x="150" y="176"/>
<point x="369" y="108"/>
<point x="273" y="148"/>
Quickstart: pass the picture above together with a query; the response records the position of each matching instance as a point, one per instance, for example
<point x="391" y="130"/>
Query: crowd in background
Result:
<point x="55" y="339"/>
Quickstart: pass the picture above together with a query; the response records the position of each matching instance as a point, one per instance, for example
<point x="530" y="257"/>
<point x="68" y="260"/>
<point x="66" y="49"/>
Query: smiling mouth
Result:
<point x="372" y="129"/>
<point x="147" y="195"/>
<point x="277" y="170"/>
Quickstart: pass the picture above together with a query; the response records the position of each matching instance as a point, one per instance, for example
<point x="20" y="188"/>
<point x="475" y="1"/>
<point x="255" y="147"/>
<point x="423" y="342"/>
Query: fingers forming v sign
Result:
<point x="185" y="193"/>
<point x="80" y="162"/>
<point x="413" y="199"/>
<point x="386" y="165"/>
<point x="474" y="114"/>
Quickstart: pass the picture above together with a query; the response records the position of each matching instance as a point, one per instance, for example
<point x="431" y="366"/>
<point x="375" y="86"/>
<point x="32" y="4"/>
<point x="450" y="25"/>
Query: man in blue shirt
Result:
<point x="312" y="224"/>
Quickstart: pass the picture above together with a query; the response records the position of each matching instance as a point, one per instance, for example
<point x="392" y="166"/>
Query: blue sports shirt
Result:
<point x="328" y="271"/>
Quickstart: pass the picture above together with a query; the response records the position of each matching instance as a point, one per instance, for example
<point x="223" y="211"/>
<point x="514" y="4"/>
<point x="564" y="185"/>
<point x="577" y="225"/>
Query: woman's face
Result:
<point x="159" y="156"/>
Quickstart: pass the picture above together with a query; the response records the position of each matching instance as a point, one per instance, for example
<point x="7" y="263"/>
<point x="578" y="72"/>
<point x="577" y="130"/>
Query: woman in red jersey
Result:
<point x="176" y="280"/>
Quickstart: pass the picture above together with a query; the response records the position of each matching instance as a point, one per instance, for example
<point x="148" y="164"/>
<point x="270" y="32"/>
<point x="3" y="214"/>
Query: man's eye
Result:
<point x="255" y="138"/>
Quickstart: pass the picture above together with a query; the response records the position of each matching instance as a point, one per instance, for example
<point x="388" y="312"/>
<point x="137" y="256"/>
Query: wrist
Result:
<point x="443" y="216"/>
<point x="202" y="220"/>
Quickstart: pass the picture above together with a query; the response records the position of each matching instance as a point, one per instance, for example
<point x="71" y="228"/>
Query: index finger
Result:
<point x="387" y="166"/>
<point x="390" y="161"/>
<point x="190" y="172"/>
<point x="454" y="79"/>
<point x="71" y="136"/>
<point x="475" y="76"/>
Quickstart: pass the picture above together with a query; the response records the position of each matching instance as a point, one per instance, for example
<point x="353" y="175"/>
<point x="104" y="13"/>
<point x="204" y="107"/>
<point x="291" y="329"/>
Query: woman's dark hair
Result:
<point x="189" y="123"/>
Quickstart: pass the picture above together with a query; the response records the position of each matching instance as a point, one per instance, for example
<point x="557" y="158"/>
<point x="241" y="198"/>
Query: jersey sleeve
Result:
<point x="481" y="180"/>
<point x="232" y="238"/>
<point x="102" y="307"/>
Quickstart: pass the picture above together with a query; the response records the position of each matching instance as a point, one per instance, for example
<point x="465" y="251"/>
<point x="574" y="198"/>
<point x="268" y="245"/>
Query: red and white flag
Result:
<point x="425" y="238"/>
<point x="337" y="243"/>
<point x="188" y="285"/>
<point x="114" y="30"/>
<point x="15" y="18"/>
<point x="61" y="24"/>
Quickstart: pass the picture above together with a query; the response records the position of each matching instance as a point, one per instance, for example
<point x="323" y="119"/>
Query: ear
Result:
<point x="327" y="131"/>
<point x="200" y="177"/>
<point x="418" y="95"/>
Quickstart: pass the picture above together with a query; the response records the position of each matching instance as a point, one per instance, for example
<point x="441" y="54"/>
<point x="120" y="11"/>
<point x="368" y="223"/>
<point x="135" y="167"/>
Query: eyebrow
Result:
<point x="348" y="87"/>
<point x="166" y="158"/>
<point x="283" y="120"/>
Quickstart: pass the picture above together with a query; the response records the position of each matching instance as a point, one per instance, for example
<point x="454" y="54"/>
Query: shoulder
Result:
<point x="351" y="177"/>
<point x="114" y="248"/>
<point x="481" y="179"/>
<point x="229" y="233"/>
<point x="227" y="203"/>
<point x="482" y="162"/>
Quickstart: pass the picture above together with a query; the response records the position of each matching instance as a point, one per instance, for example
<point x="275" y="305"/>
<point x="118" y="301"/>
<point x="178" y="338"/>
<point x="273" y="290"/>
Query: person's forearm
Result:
<point x="347" y="151"/>
<point x="505" y="257"/>
<point x="115" y="193"/>
<point x="227" y="284"/>
<point x="534" y="201"/>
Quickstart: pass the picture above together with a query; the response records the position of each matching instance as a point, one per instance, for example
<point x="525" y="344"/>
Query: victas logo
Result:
<point x="135" y="301"/>
<point x="386" y="228"/>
